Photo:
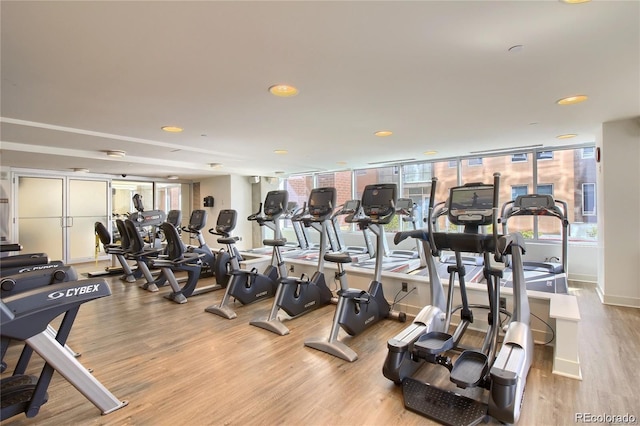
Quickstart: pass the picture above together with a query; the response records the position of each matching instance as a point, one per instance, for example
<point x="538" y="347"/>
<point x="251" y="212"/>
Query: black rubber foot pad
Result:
<point x="445" y="407"/>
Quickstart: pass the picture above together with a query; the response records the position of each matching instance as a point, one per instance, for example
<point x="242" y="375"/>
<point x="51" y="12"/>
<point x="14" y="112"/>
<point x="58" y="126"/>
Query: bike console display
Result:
<point x="322" y="202"/>
<point x="378" y="202"/>
<point x="275" y="203"/>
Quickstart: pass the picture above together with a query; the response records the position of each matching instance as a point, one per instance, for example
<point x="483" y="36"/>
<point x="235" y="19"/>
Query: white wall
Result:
<point x="618" y="207"/>
<point x="228" y="192"/>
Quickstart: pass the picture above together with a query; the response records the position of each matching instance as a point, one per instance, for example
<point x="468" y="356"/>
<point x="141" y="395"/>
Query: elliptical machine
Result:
<point x="359" y="309"/>
<point x="298" y="296"/>
<point x="427" y="340"/>
<point x="252" y="286"/>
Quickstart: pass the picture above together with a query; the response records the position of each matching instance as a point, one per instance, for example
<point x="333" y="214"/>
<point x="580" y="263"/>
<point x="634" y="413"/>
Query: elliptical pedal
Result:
<point x="448" y="408"/>
<point x="432" y="343"/>
<point x="469" y="369"/>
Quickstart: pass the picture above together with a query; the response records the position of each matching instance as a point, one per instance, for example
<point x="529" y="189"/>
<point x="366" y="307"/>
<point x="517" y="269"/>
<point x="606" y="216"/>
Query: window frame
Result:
<point x="470" y="164"/>
<point x="586" y="212"/>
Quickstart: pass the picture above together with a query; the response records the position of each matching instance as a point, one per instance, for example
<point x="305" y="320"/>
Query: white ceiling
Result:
<point x="79" y="78"/>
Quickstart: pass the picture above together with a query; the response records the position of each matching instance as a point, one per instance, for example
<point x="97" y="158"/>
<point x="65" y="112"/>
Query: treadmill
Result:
<point x="401" y="261"/>
<point x="547" y="276"/>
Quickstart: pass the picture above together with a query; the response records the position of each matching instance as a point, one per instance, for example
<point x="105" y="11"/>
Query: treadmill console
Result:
<point x="471" y="204"/>
<point x="322" y="202"/>
<point x="534" y="202"/>
<point x="351" y="206"/>
<point x="404" y="204"/>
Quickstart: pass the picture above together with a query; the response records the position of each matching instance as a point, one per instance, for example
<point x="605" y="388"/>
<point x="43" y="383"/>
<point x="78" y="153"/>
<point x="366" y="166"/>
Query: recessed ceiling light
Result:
<point x="517" y="48"/>
<point x="215" y="165"/>
<point x="572" y="100"/>
<point x="283" y="90"/>
<point x="80" y="170"/>
<point x="430" y="152"/>
<point x="383" y="133"/>
<point x="567" y="136"/>
<point x="341" y="163"/>
<point x="172" y="177"/>
<point x="575" y="1"/>
<point x="281" y="151"/>
<point x="172" y="129"/>
<point x="279" y="172"/>
<point x="116" y="154"/>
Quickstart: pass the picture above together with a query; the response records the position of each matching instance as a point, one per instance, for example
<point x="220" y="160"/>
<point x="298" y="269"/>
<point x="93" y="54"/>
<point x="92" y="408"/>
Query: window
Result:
<point x="545" y="189"/>
<point x="544" y="155"/>
<point x="572" y="173"/>
<point x="518" y="190"/>
<point x="412" y="173"/>
<point x="588" y="152"/>
<point x="299" y="188"/>
<point x="588" y="199"/>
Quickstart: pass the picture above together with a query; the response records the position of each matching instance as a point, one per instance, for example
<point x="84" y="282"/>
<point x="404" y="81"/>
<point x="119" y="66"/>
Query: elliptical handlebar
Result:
<point x="498" y="256"/>
<point x="432" y="197"/>
<point x="419" y="234"/>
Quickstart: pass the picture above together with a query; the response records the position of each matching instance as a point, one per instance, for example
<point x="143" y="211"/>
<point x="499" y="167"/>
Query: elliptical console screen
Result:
<point x="322" y="201"/>
<point x="471" y="205"/>
<point x="275" y="202"/>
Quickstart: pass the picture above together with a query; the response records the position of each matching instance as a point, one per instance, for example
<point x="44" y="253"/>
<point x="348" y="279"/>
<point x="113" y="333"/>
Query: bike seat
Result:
<point x="275" y="243"/>
<point x="338" y="257"/>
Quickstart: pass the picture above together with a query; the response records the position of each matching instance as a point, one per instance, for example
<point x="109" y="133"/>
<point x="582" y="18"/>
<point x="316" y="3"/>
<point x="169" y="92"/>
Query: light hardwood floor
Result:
<point x="178" y="365"/>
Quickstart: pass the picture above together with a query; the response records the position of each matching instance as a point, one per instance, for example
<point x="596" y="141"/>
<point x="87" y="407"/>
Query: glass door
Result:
<point x="56" y="215"/>
<point x="87" y="202"/>
<point x="40" y="216"/>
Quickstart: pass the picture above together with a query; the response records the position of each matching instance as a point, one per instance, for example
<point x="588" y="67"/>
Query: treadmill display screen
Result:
<point x="404" y="204"/>
<point x="471" y="205"/>
<point x="351" y="205"/>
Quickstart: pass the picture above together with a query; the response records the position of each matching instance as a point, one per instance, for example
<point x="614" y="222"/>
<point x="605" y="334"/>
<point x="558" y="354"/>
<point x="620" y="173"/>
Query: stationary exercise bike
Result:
<point x="359" y="309"/>
<point x="298" y="296"/>
<point x="197" y="222"/>
<point x="249" y="286"/>
<point x="502" y="371"/>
